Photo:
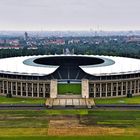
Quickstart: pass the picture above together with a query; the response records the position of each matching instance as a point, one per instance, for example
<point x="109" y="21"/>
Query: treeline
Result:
<point x="112" y="48"/>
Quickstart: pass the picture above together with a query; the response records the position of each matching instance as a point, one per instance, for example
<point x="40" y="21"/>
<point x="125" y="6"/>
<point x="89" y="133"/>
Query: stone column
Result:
<point x="106" y="89"/>
<point x="117" y="89"/>
<point x="100" y="89"/>
<point x="126" y="88"/>
<point x="7" y="87"/>
<point x="32" y="89"/>
<point x="3" y="87"/>
<point x="21" y="89"/>
<point x="11" y="88"/>
<point x="130" y="87"/>
<point x="26" y="89"/>
<point x="111" y="89"/>
<point x="138" y="86"/>
<point x="94" y="89"/>
<point x="135" y="87"/>
<point x="16" y="88"/>
<point x="37" y="89"/>
<point x="121" y="88"/>
<point x="85" y="88"/>
<point x="0" y="87"/>
<point x="53" y="89"/>
<point x="44" y="90"/>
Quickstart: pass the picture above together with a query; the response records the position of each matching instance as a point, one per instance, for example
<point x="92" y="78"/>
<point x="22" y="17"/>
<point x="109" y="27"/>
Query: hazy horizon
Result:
<point x="73" y="15"/>
<point x="65" y="30"/>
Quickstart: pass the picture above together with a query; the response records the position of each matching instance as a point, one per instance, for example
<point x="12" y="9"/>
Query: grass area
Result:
<point x="57" y="124"/>
<point x="67" y="112"/>
<point x="40" y="118"/>
<point x="13" y="100"/>
<point x="36" y="113"/>
<point x="121" y="119"/>
<point x="69" y="88"/>
<point x="123" y="100"/>
<point x="23" y="119"/>
<point x="32" y="119"/>
<point x="73" y="138"/>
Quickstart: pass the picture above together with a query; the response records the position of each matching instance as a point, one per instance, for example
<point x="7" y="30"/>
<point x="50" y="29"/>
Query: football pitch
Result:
<point x="69" y="88"/>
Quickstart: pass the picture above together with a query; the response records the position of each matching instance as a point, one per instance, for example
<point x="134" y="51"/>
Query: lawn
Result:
<point x="120" y="119"/>
<point x="123" y="100"/>
<point x="36" y="113"/>
<point x="68" y="124"/>
<point x="68" y="112"/>
<point x="14" y="100"/>
<point x="69" y="88"/>
<point x="73" y="138"/>
<point x="59" y="124"/>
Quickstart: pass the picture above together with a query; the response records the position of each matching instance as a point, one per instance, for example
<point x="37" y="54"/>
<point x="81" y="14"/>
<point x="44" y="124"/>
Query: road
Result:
<point x="43" y="107"/>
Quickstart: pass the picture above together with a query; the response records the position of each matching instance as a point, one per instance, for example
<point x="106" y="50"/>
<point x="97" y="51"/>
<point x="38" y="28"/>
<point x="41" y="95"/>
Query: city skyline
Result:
<point x="62" y="15"/>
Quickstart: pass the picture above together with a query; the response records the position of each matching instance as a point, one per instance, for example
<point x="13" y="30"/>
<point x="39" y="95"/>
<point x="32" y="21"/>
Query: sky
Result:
<point x="70" y="15"/>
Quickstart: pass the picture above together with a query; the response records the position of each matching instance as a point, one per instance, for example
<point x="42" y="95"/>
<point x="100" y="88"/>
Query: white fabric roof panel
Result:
<point x="15" y="65"/>
<point x="122" y="65"/>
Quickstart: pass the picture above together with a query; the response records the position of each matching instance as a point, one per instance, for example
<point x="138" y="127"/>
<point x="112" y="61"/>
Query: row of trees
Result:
<point x="114" y="49"/>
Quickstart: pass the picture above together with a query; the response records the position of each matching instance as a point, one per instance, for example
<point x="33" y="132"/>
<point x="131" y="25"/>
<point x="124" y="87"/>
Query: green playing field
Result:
<point x="69" y="88"/>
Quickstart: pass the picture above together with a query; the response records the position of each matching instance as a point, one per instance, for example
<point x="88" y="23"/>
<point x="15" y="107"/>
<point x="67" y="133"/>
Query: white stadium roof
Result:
<point x="15" y="65"/>
<point x="121" y="65"/>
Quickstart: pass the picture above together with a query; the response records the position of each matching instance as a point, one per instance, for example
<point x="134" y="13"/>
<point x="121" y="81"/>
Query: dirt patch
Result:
<point x="85" y="131"/>
<point x="72" y="127"/>
<point x="64" y="123"/>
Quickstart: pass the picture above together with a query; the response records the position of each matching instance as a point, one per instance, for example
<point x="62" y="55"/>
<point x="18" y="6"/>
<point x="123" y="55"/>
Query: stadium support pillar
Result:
<point x="32" y="90"/>
<point x="121" y="88"/>
<point x="12" y="88"/>
<point x="53" y="89"/>
<point x="94" y="89"/>
<point x="21" y="89"/>
<point x="43" y="89"/>
<point x="37" y="89"/>
<point x="138" y="86"/>
<point x="26" y="89"/>
<point x="85" y="88"/>
<point x="111" y="89"/>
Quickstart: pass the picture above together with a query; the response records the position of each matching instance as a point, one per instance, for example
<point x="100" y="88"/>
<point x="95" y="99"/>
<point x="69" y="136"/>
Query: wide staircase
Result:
<point x="70" y="101"/>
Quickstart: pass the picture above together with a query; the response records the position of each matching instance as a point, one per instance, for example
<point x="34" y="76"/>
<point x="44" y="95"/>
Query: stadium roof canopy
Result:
<point x="110" y="65"/>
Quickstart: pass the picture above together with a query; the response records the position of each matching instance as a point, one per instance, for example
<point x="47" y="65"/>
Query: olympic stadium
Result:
<point x="96" y="76"/>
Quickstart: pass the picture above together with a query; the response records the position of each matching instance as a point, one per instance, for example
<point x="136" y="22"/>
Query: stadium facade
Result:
<point x="99" y="76"/>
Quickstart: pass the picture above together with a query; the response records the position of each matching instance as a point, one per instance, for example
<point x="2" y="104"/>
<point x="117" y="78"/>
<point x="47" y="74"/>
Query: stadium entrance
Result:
<point x="69" y="87"/>
<point x="69" y="94"/>
<point x="62" y="87"/>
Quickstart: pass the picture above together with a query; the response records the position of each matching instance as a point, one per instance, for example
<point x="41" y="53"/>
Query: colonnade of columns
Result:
<point x="25" y="88"/>
<point x="90" y="88"/>
<point x="116" y="88"/>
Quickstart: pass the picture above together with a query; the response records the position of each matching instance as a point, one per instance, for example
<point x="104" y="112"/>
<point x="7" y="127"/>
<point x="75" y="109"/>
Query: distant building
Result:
<point x="67" y="51"/>
<point x="32" y="48"/>
<point x="9" y="42"/>
<point x="2" y="41"/>
<point x="13" y="42"/>
<point x="74" y="41"/>
<point x="26" y="37"/>
<point x="56" y="42"/>
<point x="133" y="39"/>
<point x="10" y="47"/>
